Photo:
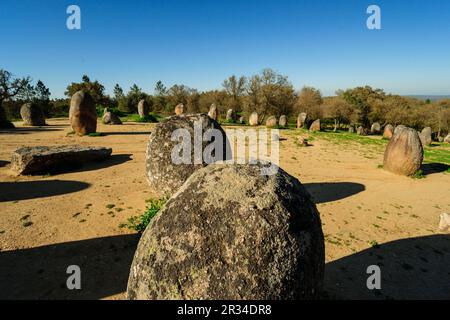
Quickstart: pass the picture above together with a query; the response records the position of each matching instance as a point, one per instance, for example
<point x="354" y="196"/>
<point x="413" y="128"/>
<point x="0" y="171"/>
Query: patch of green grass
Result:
<point x="418" y="175"/>
<point x="374" y="244"/>
<point x="96" y="134"/>
<point x="433" y="155"/>
<point x="150" y="118"/>
<point x="139" y="223"/>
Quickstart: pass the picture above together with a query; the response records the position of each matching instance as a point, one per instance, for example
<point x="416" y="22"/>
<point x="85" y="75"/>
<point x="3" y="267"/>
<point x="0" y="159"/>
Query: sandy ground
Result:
<point x="370" y="217"/>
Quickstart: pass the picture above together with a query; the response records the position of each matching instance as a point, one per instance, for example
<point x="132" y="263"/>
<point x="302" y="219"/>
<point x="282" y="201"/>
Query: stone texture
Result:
<point x="283" y="121"/>
<point x="362" y="131"/>
<point x="253" y="119"/>
<point x="388" y="131"/>
<point x="315" y="126"/>
<point x="241" y="120"/>
<point x="213" y="112"/>
<point x="444" y="222"/>
<point x="179" y="109"/>
<point x="425" y="136"/>
<point x="44" y="159"/>
<point x="164" y="176"/>
<point x="110" y="118"/>
<point x="82" y="113"/>
<point x="271" y="122"/>
<point x="351" y="128"/>
<point x="375" y="128"/>
<point x="301" y="120"/>
<point x="232" y="233"/>
<point x="231" y="115"/>
<point x="447" y="138"/>
<point x="302" y="142"/>
<point x="32" y="115"/>
<point x="143" y="108"/>
<point x="404" y="152"/>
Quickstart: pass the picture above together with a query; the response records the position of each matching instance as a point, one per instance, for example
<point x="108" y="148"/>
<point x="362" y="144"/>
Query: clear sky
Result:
<point x="199" y="43"/>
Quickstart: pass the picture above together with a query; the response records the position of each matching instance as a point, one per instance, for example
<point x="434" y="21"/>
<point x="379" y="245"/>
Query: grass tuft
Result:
<point x="139" y="223"/>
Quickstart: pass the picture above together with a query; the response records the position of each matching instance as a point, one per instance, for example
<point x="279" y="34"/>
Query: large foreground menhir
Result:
<point x="232" y="233"/>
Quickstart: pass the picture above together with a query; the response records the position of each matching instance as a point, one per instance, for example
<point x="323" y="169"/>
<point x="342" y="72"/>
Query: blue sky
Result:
<point x="201" y="42"/>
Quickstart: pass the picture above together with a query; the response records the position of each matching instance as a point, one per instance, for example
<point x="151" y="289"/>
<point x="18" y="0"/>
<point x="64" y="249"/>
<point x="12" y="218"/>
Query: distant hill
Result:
<point x="431" y="97"/>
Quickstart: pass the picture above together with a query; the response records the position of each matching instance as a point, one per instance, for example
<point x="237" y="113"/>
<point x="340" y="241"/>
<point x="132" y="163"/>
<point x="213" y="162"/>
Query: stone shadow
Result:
<point x="40" y="273"/>
<point x="332" y="191"/>
<point x="25" y="190"/>
<point x="414" y="268"/>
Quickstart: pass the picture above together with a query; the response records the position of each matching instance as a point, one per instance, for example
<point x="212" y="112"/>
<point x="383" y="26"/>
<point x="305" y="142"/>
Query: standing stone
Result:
<point x="231" y="116"/>
<point x="447" y="138"/>
<point x="143" y="108"/>
<point x="213" y="113"/>
<point x="362" y="131"/>
<point x="301" y="120"/>
<point x="253" y="120"/>
<point x="376" y="128"/>
<point x="404" y="152"/>
<point x="271" y="122"/>
<point x="82" y="113"/>
<point x="231" y="233"/>
<point x="179" y="109"/>
<point x="315" y="126"/>
<point x="425" y="136"/>
<point x="32" y="115"/>
<point x="242" y="120"/>
<point x="283" y="121"/>
<point x="388" y="131"/>
<point x="166" y="175"/>
<point x="110" y="118"/>
<point x="351" y="128"/>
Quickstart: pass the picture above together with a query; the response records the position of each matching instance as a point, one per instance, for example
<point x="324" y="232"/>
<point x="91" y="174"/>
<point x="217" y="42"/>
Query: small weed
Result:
<point x="374" y="244"/>
<point x="25" y="217"/>
<point x="95" y="134"/>
<point x="27" y="223"/>
<point x="110" y="206"/>
<point x="418" y="175"/>
<point x="139" y="223"/>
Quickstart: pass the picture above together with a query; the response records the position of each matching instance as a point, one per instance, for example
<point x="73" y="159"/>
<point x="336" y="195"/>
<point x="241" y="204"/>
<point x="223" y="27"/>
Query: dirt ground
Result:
<point x="369" y="216"/>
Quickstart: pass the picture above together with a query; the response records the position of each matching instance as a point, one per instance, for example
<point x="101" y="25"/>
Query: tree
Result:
<point x="270" y="93"/>
<point x="363" y="99"/>
<point x="310" y="101"/>
<point x="118" y="92"/>
<point x="193" y="101"/>
<point x="42" y="93"/>
<point x="235" y="88"/>
<point x="160" y="101"/>
<point x="338" y="109"/>
<point x="178" y="94"/>
<point x="95" y="89"/>
<point x="10" y="88"/>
